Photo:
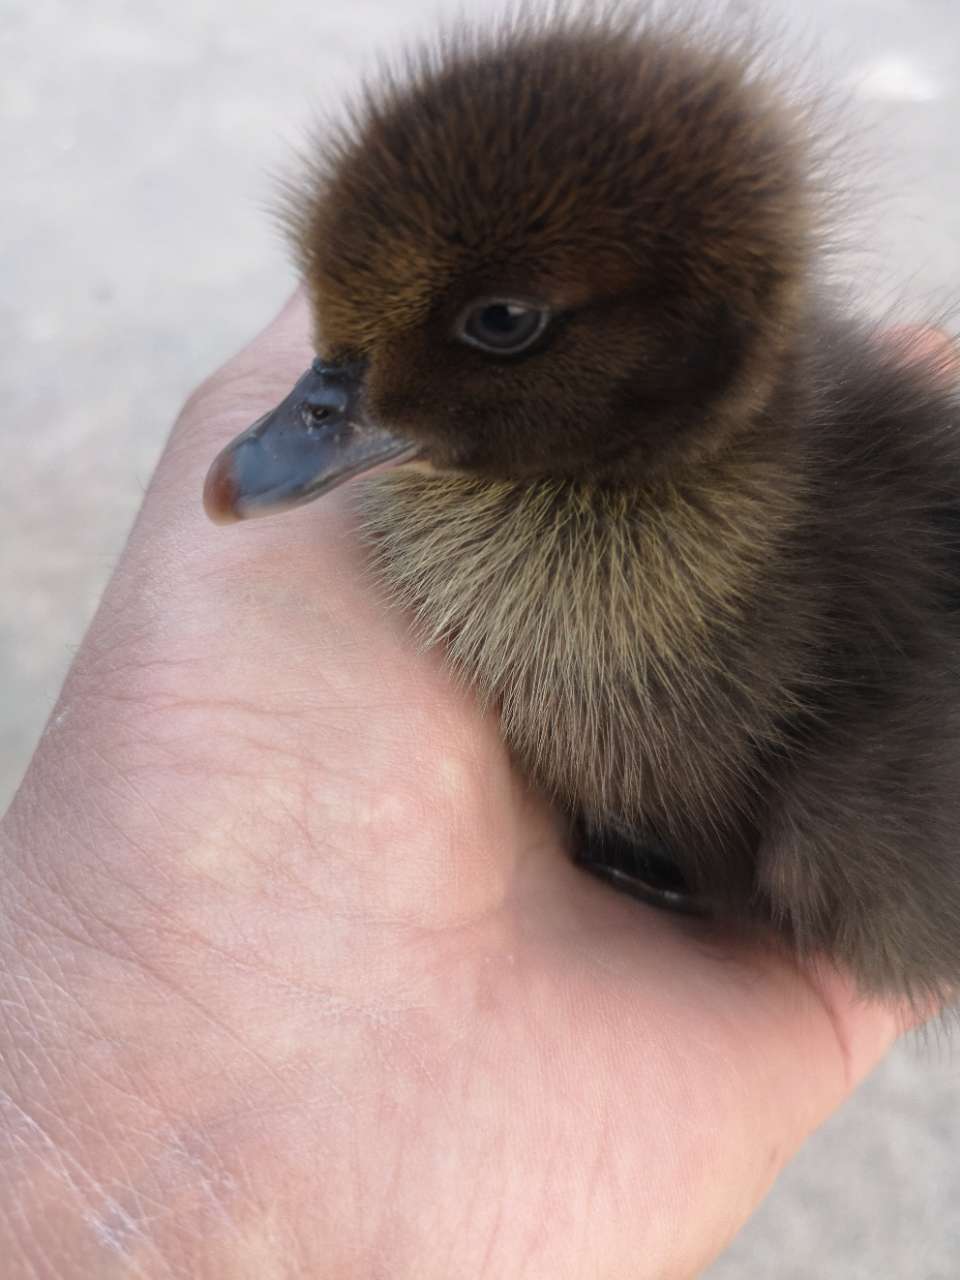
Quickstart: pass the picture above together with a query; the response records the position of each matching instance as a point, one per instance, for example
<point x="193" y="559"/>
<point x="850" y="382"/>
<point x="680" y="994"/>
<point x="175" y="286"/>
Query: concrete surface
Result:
<point x="138" y="137"/>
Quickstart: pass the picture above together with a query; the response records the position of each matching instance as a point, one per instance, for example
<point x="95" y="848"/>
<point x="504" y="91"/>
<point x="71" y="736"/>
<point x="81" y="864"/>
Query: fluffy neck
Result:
<point x="612" y="627"/>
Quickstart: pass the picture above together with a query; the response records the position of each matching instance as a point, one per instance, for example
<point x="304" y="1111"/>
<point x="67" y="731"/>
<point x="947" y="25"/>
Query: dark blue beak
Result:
<point x="317" y="438"/>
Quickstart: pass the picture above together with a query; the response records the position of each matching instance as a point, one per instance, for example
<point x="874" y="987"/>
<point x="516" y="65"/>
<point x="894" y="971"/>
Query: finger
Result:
<point x="933" y="348"/>
<point x="818" y="1046"/>
<point x="285" y="341"/>
<point x="249" y="382"/>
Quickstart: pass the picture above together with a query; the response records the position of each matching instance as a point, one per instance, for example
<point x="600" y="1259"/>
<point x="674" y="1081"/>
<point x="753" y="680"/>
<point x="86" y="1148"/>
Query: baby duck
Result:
<point x="690" y="529"/>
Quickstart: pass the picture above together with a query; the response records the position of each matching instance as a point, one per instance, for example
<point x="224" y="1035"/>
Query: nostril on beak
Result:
<point x="314" y="416"/>
<point x="324" y="407"/>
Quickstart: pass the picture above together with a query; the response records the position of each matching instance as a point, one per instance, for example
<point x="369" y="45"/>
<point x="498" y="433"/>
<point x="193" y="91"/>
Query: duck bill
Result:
<point x="317" y="438"/>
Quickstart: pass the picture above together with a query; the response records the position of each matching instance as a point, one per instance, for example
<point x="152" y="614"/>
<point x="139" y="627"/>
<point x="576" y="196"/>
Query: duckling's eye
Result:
<point x="501" y="326"/>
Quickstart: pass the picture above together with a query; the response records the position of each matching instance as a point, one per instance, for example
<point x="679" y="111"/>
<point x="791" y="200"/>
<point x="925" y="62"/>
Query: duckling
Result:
<point x="687" y="525"/>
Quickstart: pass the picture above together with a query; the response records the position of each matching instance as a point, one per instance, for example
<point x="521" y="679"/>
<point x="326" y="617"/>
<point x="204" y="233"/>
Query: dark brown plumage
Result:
<point x="695" y="535"/>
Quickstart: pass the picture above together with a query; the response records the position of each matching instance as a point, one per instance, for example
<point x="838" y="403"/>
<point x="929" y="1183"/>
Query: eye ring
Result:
<point x="502" y="326"/>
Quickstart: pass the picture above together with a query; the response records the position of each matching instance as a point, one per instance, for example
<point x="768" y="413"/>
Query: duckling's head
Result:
<point x="570" y="249"/>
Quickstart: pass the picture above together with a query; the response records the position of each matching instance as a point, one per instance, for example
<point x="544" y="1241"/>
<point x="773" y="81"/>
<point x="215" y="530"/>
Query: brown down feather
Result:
<point x="700" y="547"/>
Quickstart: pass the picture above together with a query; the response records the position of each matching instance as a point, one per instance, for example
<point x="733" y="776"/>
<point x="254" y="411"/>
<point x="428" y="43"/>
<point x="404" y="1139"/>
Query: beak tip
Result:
<point x="220" y="492"/>
<point x="284" y="460"/>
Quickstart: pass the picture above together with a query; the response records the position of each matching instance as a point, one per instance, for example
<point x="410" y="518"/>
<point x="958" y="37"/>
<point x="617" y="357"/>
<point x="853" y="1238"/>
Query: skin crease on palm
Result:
<point x="298" y="979"/>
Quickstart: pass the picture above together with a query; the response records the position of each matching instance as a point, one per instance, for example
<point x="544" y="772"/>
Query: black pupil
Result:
<point x="500" y="321"/>
<point x="503" y="326"/>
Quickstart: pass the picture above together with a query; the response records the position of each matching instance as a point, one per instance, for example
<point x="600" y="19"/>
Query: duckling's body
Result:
<point x="695" y="536"/>
<point x="756" y="663"/>
<point x="608" y="626"/>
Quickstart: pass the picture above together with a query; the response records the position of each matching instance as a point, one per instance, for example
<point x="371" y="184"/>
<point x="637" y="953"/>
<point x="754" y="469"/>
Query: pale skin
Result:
<point x="296" y="976"/>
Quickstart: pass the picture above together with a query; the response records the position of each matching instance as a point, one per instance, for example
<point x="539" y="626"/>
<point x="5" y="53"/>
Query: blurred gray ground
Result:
<point x="138" y="136"/>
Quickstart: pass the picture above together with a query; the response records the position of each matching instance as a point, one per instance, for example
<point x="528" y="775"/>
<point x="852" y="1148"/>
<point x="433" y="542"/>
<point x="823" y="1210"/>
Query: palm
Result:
<point x="378" y="1000"/>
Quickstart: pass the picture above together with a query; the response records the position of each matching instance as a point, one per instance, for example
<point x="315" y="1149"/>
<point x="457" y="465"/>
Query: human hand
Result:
<point x="298" y="978"/>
